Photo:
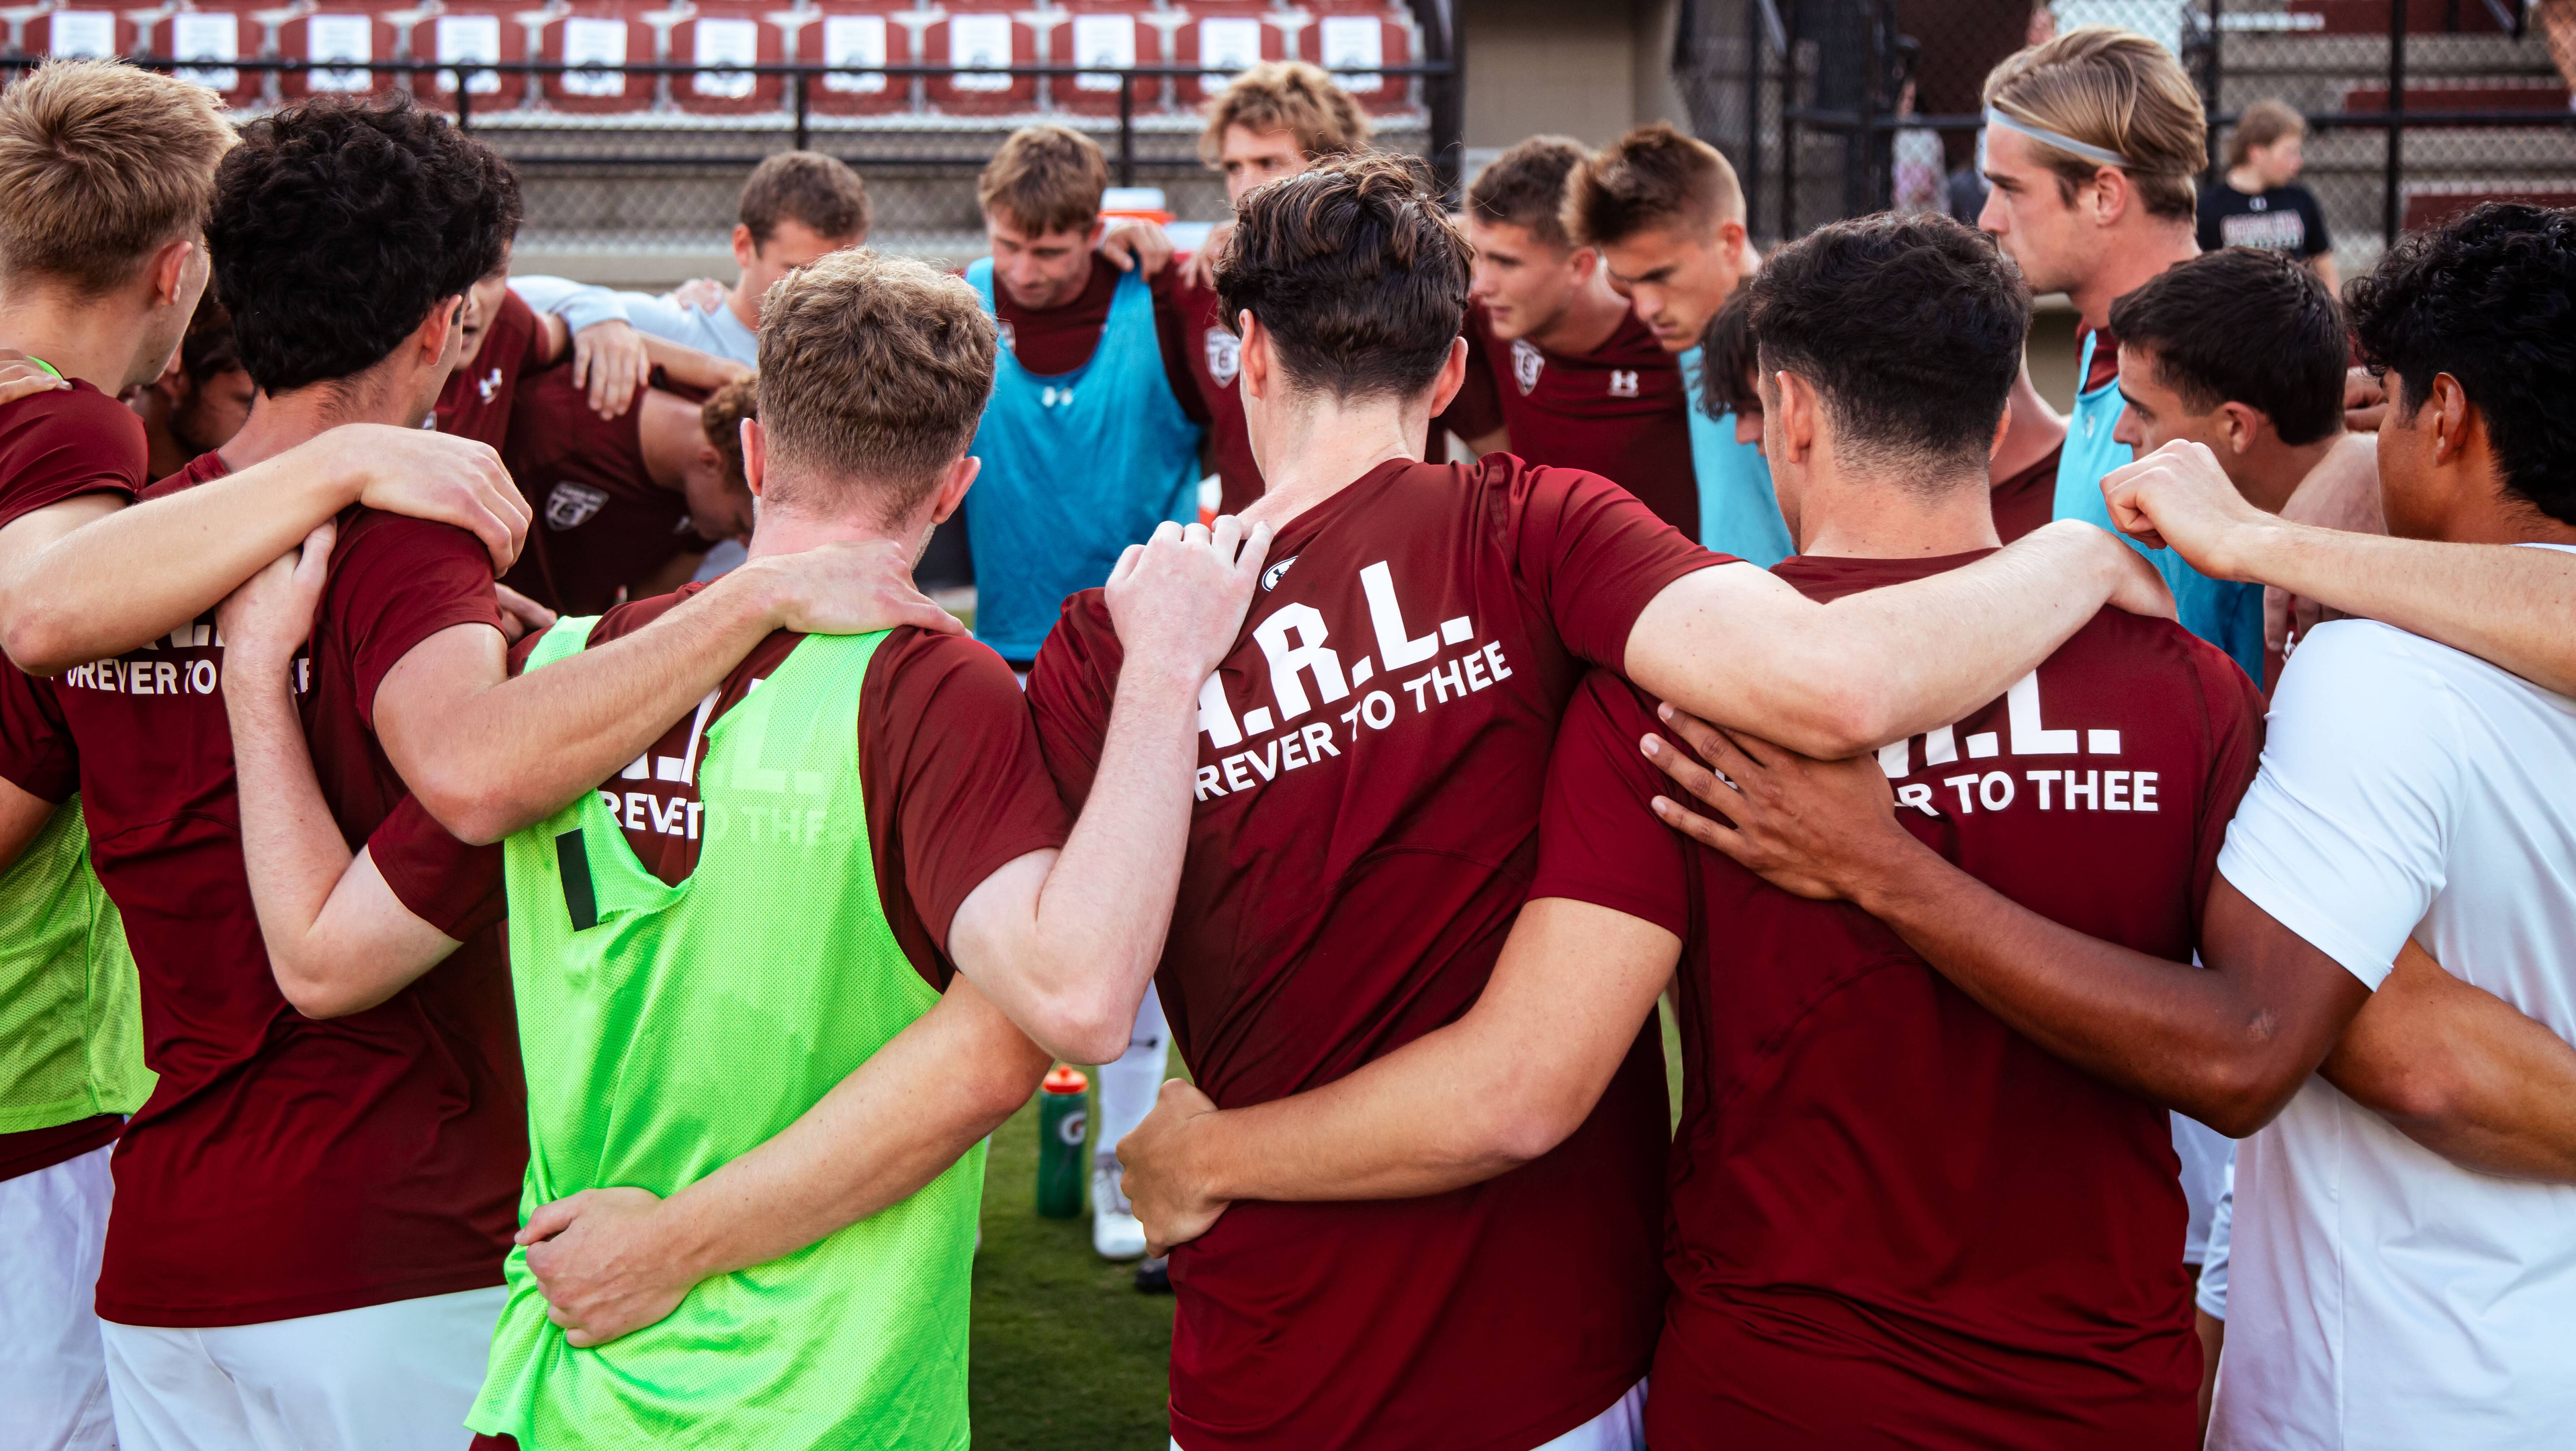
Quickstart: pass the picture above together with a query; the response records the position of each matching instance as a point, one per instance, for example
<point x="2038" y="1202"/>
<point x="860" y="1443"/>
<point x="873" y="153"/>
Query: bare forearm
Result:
<point x="2462" y="1072"/>
<point x="689" y="367"/>
<point x="138" y="573"/>
<point x="513" y="754"/>
<point x="291" y="847"/>
<point x="1834" y="680"/>
<point x="2498" y="602"/>
<point x="875" y="1140"/>
<point x="1107" y="902"/>
<point x="2187" y="1038"/>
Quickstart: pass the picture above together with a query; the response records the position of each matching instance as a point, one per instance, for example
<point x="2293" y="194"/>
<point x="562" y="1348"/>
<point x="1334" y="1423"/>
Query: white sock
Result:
<point x="1129" y="1086"/>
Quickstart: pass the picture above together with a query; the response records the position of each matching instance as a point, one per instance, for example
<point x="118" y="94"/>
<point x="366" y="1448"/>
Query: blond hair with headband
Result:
<point x="2101" y="96"/>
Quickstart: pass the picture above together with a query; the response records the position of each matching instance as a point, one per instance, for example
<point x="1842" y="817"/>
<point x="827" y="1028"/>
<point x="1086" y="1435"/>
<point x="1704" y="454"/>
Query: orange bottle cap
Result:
<point x="1066" y="1080"/>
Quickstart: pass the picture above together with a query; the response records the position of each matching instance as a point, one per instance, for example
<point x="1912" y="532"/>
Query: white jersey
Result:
<point x="2378" y="1295"/>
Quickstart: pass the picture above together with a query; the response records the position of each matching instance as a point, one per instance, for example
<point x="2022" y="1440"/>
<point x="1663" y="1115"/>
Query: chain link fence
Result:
<point x="624" y="160"/>
<point x="2416" y="109"/>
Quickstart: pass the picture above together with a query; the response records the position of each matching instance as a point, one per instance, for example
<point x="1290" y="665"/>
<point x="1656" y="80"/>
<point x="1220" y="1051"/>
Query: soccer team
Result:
<point x="481" y="963"/>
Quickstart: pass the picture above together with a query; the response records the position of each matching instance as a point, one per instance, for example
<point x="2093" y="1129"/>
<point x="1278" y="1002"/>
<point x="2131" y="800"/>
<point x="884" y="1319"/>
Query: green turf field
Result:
<point x="1067" y="1356"/>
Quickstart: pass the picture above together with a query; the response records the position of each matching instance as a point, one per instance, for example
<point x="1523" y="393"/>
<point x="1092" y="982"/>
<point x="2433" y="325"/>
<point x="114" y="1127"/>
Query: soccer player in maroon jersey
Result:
<point x="321" y="1267"/>
<point x="1891" y="1216"/>
<point x="201" y="400"/>
<point x="625" y="506"/>
<point x="1561" y="370"/>
<point x="1274" y="120"/>
<point x="1367" y="810"/>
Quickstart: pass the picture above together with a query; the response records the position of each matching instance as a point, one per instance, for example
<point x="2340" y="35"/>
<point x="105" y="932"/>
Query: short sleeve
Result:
<point x="950" y="736"/>
<point x="451" y="886"/>
<point x="1478" y="408"/>
<point x="398" y="582"/>
<point x="1595" y="558"/>
<point x="2318" y="242"/>
<point x="1598" y="839"/>
<point x="61" y="445"/>
<point x="2343" y="837"/>
<point x="36" y="751"/>
<point x="1070" y="689"/>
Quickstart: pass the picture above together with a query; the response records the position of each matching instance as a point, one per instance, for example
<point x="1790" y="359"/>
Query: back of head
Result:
<point x="1356" y="273"/>
<point x="1653" y="177"/>
<point x="1045" y="179"/>
<point x="2490" y="299"/>
<point x="720" y="418"/>
<point x="873" y="375"/>
<point x="102" y="165"/>
<point x="1729" y="358"/>
<point x="1910" y="328"/>
<point x="2262" y="124"/>
<point x="1525" y="188"/>
<point x="2244" y="325"/>
<point x="817" y="192"/>
<point x="338" y="224"/>
<point x="1292" y="96"/>
<point x="2117" y="92"/>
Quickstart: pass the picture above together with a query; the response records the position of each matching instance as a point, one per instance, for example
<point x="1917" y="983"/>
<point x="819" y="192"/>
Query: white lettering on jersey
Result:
<point x="1224" y="356"/>
<point x="1527" y="363"/>
<point x="1393" y="646"/>
<point x="1623" y="383"/>
<point x="1310" y="654"/>
<point x="2058" y="790"/>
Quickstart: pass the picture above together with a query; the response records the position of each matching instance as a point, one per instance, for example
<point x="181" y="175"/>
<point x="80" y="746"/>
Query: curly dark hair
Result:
<point x="1729" y="359"/>
<point x="1910" y="326"/>
<point x="2490" y="299"/>
<point x="1356" y="271"/>
<point x="339" y="224"/>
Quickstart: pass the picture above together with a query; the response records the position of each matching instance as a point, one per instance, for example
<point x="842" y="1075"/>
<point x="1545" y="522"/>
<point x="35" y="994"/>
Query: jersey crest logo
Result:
<point x="1270" y="577"/>
<point x="1527" y="361"/>
<point x="1623" y="383"/>
<point x="1224" y="356"/>
<point x="489" y="385"/>
<point x="571" y="505"/>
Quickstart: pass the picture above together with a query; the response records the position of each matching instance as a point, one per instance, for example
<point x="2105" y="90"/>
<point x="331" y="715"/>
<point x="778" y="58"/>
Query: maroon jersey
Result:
<point x="1619" y="411"/>
<point x="64" y="443"/>
<point x="1216" y="358"/>
<point x="476" y="403"/>
<point x="1894" y="1220"/>
<point x="948" y="763"/>
<point x="2028" y="499"/>
<point x="602" y="523"/>
<point x="286" y="1167"/>
<point x="1370" y="764"/>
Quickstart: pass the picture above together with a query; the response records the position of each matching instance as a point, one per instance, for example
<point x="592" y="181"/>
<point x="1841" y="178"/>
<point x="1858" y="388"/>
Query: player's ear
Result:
<point x="2110" y="195"/>
<point x="755" y="456"/>
<point x="953" y="486"/>
<point x="1253" y="368"/>
<point x="169" y="270"/>
<point x="2244" y="423"/>
<point x="745" y="250"/>
<point x="1453" y="376"/>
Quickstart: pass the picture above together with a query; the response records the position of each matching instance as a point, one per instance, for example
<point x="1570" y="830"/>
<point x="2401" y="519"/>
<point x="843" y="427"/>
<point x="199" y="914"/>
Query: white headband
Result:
<point x="2101" y="154"/>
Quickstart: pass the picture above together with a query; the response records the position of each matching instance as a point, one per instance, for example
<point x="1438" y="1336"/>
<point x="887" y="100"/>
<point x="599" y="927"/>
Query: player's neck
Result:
<point x="92" y="339"/>
<point x="1310" y="449"/>
<point x="667" y="434"/>
<point x="745" y="307"/>
<point x="789" y="531"/>
<point x="280" y="421"/>
<point x="2132" y="262"/>
<point x="1072" y="293"/>
<point x="2269" y="473"/>
<point x="1589" y="318"/>
<point x="1893" y="514"/>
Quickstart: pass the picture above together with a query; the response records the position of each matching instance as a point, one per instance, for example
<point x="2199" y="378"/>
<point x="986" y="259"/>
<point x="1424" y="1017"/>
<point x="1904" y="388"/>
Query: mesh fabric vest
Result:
<point x="670" y="1029"/>
<point x="71" y="1024"/>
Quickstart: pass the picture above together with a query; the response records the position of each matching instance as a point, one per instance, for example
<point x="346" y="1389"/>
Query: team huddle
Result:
<point x="517" y="916"/>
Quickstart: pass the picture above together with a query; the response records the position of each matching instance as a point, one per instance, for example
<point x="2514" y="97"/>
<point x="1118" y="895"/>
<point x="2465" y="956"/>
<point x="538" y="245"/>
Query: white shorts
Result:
<point x="392" y="1377"/>
<point x="1620" y="1428"/>
<point x="53" y="1375"/>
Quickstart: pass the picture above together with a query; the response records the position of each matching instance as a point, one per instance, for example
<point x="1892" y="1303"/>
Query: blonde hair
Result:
<point x="102" y="165"/>
<point x="873" y="374"/>
<point x="2263" y="123"/>
<point x="1292" y="96"/>
<point x="1045" y="179"/>
<point x="1652" y="177"/>
<point x="2117" y="90"/>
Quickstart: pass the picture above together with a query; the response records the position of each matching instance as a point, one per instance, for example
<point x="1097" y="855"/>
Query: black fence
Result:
<point x="647" y="157"/>
<point x="2416" y="109"/>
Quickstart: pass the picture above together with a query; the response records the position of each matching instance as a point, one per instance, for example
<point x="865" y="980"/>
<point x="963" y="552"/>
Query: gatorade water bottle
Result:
<point x="1064" y="1166"/>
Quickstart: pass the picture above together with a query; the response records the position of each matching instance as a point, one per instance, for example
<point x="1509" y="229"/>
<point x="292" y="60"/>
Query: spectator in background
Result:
<point x="201" y="400"/>
<point x="2258" y="202"/>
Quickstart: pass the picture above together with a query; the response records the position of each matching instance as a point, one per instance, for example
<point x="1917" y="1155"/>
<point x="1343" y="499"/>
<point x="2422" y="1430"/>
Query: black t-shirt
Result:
<point x="2284" y="219"/>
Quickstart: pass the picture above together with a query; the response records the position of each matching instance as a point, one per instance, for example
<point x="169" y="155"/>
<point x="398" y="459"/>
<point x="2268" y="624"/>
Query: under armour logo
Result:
<point x="1623" y="383"/>
<point x="1052" y="396"/>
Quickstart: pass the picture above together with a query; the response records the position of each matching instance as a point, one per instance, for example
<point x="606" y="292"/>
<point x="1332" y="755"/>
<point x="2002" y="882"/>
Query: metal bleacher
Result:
<point x="632" y="122"/>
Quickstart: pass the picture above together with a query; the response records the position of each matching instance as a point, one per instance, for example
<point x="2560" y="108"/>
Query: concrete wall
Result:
<point x="1586" y="70"/>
